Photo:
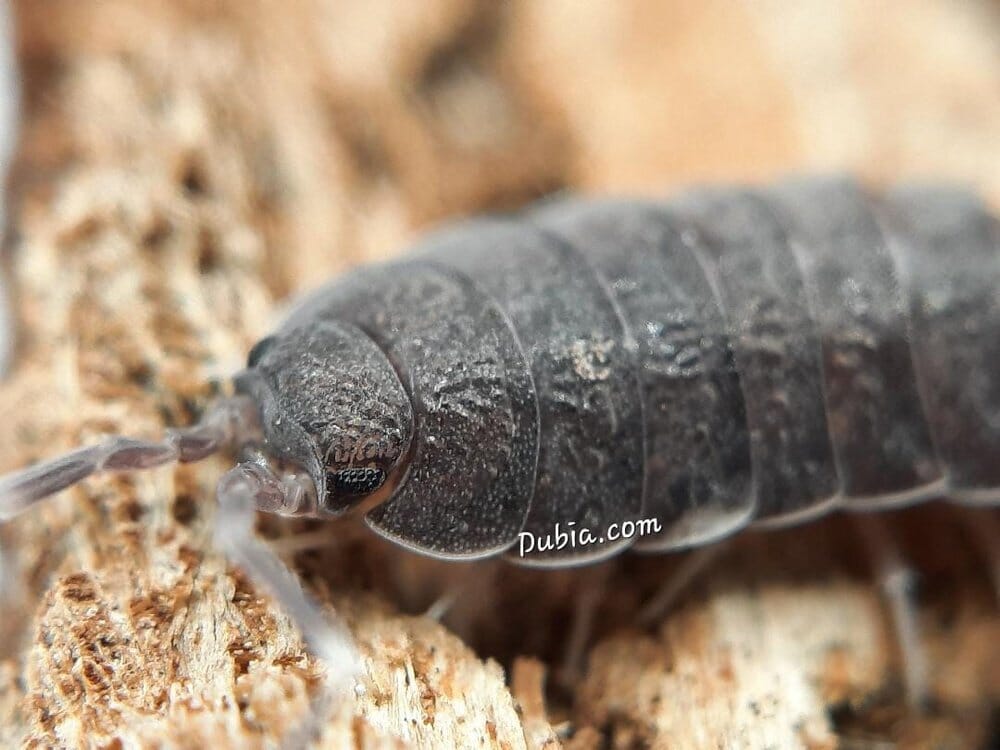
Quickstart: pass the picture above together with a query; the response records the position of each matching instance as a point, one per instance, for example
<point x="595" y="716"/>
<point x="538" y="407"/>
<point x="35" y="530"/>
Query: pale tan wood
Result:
<point x="186" y="166"/>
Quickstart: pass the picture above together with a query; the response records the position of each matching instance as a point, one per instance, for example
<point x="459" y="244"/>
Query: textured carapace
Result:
<point x="731" y="357"/>
<point x="591" y="367"/>
<point x="332" y="404"/>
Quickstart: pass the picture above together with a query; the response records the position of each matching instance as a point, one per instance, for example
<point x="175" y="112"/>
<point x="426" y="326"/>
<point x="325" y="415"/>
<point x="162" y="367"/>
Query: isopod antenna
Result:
<point x="228" y="422"/>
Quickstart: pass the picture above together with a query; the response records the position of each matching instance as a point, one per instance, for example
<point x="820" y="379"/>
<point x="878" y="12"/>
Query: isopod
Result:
<point x="729" y="358"/>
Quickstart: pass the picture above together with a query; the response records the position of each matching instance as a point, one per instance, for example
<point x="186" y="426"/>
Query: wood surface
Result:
<point x="186" y="166"/>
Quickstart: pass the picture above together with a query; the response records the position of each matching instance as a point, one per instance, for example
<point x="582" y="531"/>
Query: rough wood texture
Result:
<point x="186" y="165"/>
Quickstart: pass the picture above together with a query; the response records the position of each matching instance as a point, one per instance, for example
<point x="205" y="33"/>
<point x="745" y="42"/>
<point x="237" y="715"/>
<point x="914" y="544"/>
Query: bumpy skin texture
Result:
<point x="468" y="480"/>
<point x="697" y="449"/>
<point x="589" y="418"/>
<point x="950" y="271"/>
<point x="330" y="403"/>
<point x="732" y="356"/>
<point x="870" y="380"/>
<point x="747" y="256"/>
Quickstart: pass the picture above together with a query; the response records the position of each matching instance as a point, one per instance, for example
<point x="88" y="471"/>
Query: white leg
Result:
<point x="581" y="630"/>
<point x="241" y="492"/>
<point x="440" y="606"/>
<point x="689" y="568"/>
<point x="897" y="581"/>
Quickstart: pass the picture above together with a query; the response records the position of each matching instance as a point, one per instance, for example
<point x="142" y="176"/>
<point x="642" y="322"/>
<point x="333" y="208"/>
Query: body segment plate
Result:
<point x="590" y="449"/>
<point x="877" y="424"/>
<point x="472" y="463"/>
<point x="947" y="247"/>
<point x="698" y="480"/>
<point x="746" y="254"/>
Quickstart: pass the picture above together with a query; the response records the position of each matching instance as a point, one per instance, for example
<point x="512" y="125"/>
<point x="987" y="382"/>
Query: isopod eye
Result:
<point x="259" y="350"/>
<point x="356" y="480"/>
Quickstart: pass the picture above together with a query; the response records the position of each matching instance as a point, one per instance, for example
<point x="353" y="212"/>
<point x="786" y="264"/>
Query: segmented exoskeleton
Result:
<point x="732" y="357"/>
<point x="727" y="358"/>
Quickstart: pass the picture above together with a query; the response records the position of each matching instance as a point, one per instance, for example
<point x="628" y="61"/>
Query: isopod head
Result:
<point x="331" y="405"/>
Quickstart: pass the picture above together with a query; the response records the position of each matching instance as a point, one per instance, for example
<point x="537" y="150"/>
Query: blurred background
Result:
<point x="361" y="119"/>
<point x="184" y="166"/>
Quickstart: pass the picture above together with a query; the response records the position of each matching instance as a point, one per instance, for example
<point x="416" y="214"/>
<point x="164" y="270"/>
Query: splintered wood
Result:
<point x="186" y="166"/>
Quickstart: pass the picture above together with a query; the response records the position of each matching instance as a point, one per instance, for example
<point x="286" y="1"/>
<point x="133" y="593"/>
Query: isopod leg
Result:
<point x="441" y="606"/>
<point x="897" y="581"/>
<point x="582" y="626"/>
<point x="693" y="564"/>
<point x="242" y="491"/>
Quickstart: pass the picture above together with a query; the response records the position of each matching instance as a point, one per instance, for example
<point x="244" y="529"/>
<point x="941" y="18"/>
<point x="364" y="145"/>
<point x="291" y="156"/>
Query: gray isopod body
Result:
<point x="730" y="357"/>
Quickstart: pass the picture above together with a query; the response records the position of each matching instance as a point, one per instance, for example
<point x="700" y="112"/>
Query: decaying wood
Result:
<point x="185" y="166"/>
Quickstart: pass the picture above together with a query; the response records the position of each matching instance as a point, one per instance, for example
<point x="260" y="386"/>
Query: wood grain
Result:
<point x="186" y="166"/>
